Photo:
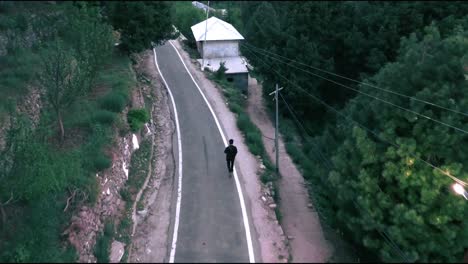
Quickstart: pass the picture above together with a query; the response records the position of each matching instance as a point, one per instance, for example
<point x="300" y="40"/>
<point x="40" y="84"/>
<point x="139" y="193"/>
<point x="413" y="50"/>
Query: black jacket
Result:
<point x="231" y="152"/>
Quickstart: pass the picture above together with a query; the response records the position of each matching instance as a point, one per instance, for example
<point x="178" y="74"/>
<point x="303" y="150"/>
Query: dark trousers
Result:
<point x="230" y="164"/>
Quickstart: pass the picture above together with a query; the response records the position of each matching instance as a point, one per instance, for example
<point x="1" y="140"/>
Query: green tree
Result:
<point x="185" y="16"/>
<point x="141" y="23"/>
<point x="396" y="192"/>
<point x="91" y="38"/>
<point x="61" y="78"/>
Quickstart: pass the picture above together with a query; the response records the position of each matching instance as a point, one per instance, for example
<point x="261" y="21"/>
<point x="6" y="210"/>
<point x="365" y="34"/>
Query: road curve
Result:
<point x="210" y="223"/>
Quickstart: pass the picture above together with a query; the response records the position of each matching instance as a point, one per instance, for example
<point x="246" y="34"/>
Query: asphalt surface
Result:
<point x="210" y="225"/>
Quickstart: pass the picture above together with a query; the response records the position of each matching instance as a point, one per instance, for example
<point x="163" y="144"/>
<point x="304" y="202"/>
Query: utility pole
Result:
<point x="204" y="43"/>
<point x="276" y="127"/>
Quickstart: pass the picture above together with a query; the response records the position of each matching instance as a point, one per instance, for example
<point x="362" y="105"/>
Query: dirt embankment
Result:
<point x="89" y="221"/>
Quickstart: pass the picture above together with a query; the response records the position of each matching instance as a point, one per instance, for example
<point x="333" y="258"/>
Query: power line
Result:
<point x="376" y="98"/>
<point x="363" y="83"/>
<point x="364" y="127"/>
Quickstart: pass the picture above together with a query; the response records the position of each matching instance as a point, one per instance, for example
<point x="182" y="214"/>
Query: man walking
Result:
<point x="230" y="152"/>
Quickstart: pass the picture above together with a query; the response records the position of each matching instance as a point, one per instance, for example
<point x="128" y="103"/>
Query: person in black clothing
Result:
<point x="230" y="152"/>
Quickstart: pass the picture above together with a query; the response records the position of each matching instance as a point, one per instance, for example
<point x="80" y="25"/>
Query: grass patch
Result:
<point x="17" y="70"/>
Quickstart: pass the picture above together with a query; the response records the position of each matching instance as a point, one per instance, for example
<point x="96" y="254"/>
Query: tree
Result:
<point x="141" y="23"/>
<point x="394" y="190"/>
<point x="61" y="78"/>
<point x="91" y="38"/>
<point x="185" y="16"/>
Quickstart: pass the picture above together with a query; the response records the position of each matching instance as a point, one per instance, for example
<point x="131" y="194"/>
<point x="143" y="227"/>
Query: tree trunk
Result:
<point x="62" y="132"/>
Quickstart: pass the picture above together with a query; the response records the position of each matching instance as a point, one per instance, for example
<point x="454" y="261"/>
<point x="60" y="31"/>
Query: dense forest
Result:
<point x="379" y="145"/>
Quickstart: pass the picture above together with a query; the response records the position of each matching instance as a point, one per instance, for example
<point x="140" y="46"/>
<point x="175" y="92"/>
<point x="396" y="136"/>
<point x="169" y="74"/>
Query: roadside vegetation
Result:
<point x="66" y="52"/>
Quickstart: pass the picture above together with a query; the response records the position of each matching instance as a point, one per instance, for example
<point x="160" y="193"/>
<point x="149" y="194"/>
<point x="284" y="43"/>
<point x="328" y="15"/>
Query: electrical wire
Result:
<point x="376" y="98"/>
<point x="461" y="182"/>
<point x="359" y="82"/>
<point x="364" y="127"/>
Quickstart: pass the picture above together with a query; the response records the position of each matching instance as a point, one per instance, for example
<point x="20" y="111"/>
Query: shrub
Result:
<point x="101" y="162"/>
<point x="221" y="72"/>
<point x="101" y="249"/>
<point x="114" y="102"/>
<point x="137" y="118"/>
<point x="125" y="194"/>
<point x="104" y="117"/>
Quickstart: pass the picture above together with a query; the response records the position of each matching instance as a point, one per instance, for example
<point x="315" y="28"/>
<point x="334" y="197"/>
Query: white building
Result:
<point x="221" y="44"/>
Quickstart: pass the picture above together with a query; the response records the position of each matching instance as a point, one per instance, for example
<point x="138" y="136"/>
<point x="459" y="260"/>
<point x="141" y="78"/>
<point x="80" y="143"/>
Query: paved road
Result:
<point x="211" y="228"/>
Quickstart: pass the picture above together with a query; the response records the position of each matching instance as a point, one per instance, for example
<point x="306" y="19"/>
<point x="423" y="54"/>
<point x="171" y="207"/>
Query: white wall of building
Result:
<point x="221" y="49"/>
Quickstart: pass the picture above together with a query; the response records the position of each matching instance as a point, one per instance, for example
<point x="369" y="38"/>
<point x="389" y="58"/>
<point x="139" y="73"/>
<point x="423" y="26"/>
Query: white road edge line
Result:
<point x="239" y="190"/>
<point x="179" y="189"/>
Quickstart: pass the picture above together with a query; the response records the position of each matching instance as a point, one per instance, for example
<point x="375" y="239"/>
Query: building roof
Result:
<point x="216" y="30"/>
<point x="233" y="64"/>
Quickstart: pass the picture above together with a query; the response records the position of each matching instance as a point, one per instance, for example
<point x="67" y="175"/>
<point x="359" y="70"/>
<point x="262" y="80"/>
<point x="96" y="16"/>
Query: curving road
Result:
<point x="210" y="226"/>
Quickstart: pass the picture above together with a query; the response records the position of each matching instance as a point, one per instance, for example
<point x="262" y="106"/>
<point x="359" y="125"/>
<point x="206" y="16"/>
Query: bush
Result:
<point x="252" y="134"/>
<point x="104" y="117"/>
<point x="114" y="102"/>
<point x="137" y="118"/>
<point x="266" y="176"/>
<point x="125" y="194"/>
<point x="101" y="162"/>
<point x="221" y="72"/>
<point x="103" y="243"/>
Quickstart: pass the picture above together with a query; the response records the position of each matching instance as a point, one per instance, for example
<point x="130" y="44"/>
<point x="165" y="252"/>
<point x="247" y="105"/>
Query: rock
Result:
<point x="272" y="206"/>
<point x="142" y="212"/>
<point x="264" y="199"/>
<point x="117" y="251"/>
<point x="262" y="166"/>
<point x="291" y="237"/>
<point x="310" y="205"/>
